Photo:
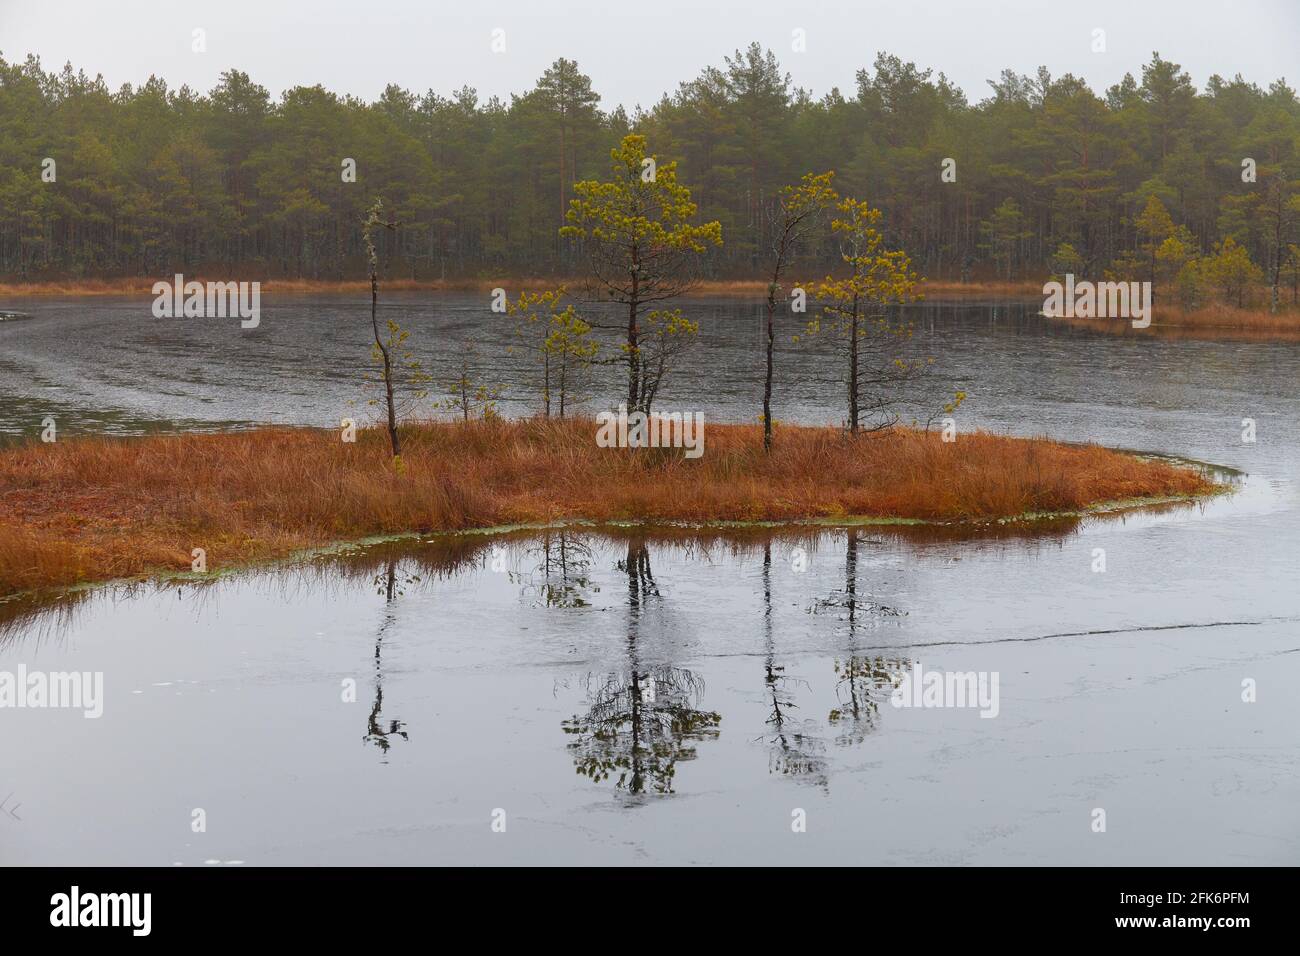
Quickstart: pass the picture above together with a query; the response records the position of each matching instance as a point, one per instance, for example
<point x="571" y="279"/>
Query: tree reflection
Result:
<point x="862" y="682"/>
<point x="791" y="751"/>
<point x="391" y="588"/>
<point x="565" y="566"/>
<point x="855" y="611"/>
<point x="640" y="721"/>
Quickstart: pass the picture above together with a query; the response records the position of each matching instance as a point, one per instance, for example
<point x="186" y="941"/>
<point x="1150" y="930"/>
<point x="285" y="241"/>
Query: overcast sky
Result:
<point x="634" y="50"/>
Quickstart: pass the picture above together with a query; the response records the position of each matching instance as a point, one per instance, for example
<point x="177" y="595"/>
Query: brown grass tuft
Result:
<point x="100" y="508"/>
<point x="1213" y="322"/>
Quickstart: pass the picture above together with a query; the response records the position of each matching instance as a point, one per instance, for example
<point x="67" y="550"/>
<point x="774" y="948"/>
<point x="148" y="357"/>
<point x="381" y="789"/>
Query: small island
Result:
<point x="94" y="508"/>
<point x="97" y="508"/>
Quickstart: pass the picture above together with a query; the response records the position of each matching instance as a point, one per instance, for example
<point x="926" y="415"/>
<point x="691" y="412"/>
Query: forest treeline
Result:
<point x="146" y="180"/>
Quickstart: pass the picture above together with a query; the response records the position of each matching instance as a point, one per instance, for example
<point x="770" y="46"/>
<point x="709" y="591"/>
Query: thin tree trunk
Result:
<point x="767" y="380"/>
<point x="1277" y="256"/>
<point x="560" y="242"/>
<point x="853" y="370"/>
<point x="633" y="362"/>
<point x="564" y="381"/>
<point x="388" y="364"/>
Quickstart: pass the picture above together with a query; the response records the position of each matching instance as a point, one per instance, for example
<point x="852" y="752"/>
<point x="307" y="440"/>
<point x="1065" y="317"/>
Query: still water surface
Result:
<point x="632" y="697"/>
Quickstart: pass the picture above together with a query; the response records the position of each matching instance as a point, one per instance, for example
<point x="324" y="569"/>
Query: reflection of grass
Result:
<point x="96" y="509"/>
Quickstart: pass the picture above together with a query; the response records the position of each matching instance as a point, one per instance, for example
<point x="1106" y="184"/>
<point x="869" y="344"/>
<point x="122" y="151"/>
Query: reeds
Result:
<point x="99" y="508"/>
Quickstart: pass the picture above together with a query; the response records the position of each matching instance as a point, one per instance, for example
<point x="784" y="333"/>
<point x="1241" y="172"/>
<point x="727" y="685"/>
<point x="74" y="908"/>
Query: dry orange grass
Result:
<point x="1219" y="316"/>
<point x="935" y="288"/>
<point x="97" y="508"/>
<point x="1253" y="320"/>
<point x="738" y="288"/>
<point x="1216" y="321"/>
<point x="139" y="285"/>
